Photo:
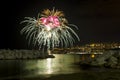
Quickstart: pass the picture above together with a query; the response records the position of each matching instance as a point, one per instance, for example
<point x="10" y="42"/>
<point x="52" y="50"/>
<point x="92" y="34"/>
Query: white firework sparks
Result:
<point x="50" y="29"/>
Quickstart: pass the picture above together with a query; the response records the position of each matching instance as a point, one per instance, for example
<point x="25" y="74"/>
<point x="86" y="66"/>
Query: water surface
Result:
<point x="61" y="64"/>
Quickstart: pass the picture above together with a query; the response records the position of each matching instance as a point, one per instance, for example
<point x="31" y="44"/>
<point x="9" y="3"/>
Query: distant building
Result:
<point x="93" y="47"/>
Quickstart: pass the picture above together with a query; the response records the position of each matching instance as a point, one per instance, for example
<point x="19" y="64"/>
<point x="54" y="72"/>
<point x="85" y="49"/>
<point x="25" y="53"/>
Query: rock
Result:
<point x="50" y="56"/>
<point x="109" y="59"/>
<point x="23" y="54"/>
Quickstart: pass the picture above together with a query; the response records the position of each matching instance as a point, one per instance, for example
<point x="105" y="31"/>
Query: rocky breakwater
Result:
<point x="23" y="54"/>
<point x="109" y="59"/>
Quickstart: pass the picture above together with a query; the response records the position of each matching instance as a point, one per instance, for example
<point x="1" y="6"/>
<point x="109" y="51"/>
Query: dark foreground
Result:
<point x="86" y="75"/>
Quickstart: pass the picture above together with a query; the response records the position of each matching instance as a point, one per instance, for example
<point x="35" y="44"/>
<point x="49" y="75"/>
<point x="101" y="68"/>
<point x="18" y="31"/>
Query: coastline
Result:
<point x="23" y="54"/>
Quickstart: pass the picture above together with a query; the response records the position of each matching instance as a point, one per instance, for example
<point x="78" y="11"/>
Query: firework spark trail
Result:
<point x="50" y="29"/>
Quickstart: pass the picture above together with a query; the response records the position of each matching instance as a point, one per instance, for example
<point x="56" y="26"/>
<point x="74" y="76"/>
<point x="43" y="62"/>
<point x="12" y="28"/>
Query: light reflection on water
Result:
<point x="61" y="64"/>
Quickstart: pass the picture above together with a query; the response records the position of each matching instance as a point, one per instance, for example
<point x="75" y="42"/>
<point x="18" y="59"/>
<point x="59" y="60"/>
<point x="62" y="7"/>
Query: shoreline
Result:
<point x="23" y="54"/>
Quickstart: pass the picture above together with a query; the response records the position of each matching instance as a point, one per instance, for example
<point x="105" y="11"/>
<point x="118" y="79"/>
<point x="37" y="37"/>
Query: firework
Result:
<point x="49" y="29"/>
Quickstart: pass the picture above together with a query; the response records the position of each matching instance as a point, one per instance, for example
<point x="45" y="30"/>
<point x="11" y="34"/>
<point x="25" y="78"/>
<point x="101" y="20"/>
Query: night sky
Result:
<point x="98" y="20"/>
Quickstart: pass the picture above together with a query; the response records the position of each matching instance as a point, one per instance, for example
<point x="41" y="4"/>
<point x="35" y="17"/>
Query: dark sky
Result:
<point x="98" y="20"/>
